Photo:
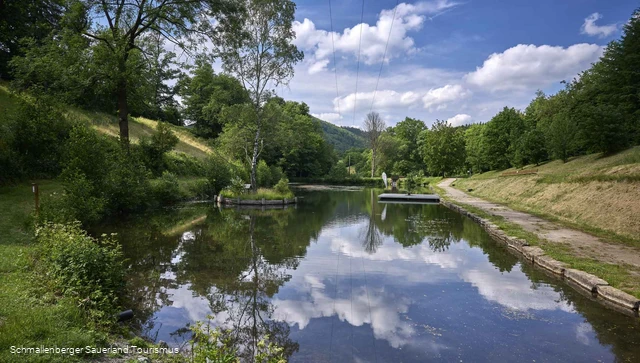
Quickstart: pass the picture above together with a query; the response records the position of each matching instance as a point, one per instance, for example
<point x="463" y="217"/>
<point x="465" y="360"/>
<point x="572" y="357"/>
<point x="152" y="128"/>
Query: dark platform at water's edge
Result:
<point x="405" y="198"/>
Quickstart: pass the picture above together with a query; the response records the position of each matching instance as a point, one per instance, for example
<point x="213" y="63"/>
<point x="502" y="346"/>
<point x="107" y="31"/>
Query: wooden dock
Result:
<point x="404" y="198"/>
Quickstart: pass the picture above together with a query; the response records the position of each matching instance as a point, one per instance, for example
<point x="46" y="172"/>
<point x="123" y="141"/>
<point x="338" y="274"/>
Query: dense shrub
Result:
<point x="99" y="179"/>
<point x="282" y="186"/>
<point x="82" y="201"/>
<point x="276" y="174"/>
<point x="32" y="140"/>
<point x="81" y="268"/>
<point x="154" y="150"/>
<point x="166" y="190"/>
<point x="127" y="184"/>
<point x="9" y="160"/>
<point x="184" y="165"/>
<point x="198" y="189"/>
<point x="338" y="171"/>
<point x="263" y="175"/>
<point x="218" y="173"/>
<point x="237" y="186"/>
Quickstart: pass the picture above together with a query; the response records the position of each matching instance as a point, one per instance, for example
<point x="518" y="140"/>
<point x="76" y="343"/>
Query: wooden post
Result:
<point x="36" y="192"/>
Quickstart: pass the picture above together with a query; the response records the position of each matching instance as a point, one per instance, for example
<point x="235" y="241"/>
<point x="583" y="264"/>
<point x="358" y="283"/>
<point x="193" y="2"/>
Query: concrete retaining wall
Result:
<point x="238" y="201"/>
<point x="585" y="283"/>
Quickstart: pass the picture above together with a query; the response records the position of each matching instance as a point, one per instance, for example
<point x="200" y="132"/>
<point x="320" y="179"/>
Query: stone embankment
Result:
<point x="585" y="283"/>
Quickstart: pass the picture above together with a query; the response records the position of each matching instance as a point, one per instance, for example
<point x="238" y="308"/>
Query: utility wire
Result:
<point x="335" y="64"/>
<point x="355" y="98"/>
<point x="384" y="56"/>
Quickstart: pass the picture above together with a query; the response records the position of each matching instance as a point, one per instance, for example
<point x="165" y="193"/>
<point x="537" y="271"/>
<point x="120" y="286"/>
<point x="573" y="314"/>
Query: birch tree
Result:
<point x="262" y="55"/>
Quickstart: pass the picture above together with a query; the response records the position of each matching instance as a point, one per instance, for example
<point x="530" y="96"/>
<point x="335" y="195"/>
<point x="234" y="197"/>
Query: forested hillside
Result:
<point x="342" y="138"/>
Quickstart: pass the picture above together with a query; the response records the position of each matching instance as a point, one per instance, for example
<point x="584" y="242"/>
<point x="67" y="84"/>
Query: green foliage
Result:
<point x="32" y="140"/>
<point x="237" y="187"/>
<point x="408" y="154"/>
<point x="276" y="174"/>
<point x="32" y="19"/>
<point x="79" y="267"/>
<point x="475" y="148"/>
<point x="300" y="147"/>
<point x="206" y="94"/>
<point x="184" y="164"/>
<point x="443" y="148"/>
<point x="82" y="200"/>
<point x="260" y="56"/>
<point x="282" y="186"/>
<point x="154" y="150"/>
<point x="261" y="193"/>
<point x="263" y="174"/>
<point x="99" y="179"/>
<point x="219" y="173"/>
<point x="166" y="190"/>
<point x="127" y="185"/>
<point x="533" y="148"/>
<point x="498" y="134"/>
<point x="338" y="171"/>
<point x="413" y="181"/>
<point x="210" y="344"/>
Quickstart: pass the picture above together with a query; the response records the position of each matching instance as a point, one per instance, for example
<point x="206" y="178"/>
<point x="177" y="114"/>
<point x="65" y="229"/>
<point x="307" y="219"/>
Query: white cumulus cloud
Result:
<point x="438" y="98"/>
<point x="370" y="39"/>
<point x="590" y="27"/>
<point x="459" y="119"/>
<point x="384" y="99"/>
<point x="526" y="67"/>
<point x="328" y="116"/>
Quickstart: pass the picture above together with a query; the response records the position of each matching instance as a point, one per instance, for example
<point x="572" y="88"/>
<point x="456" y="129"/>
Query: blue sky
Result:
<point x="453" y="60"/>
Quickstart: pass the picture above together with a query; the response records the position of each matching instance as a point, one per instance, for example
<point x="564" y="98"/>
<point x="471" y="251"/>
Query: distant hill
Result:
<point x="342" y="138"/>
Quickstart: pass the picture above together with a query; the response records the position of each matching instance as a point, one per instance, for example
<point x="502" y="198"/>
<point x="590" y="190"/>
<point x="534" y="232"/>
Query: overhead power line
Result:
<point x="335" y="64"/>
<point x="384" y="55"/>
<point x="355" y="96"/>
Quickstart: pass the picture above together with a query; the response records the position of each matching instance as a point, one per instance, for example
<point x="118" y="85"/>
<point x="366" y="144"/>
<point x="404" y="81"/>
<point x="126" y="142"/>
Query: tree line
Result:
<point x="597" y="112"/>
<point x="154" y="59"/>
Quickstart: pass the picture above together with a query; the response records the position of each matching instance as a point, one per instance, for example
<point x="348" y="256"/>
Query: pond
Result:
<point x="342" y="278"/>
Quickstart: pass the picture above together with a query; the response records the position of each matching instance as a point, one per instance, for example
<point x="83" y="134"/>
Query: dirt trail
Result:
<point x="582" y="244"/>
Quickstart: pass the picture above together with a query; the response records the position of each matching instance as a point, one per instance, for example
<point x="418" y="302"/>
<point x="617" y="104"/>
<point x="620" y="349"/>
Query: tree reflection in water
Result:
<point x="236" y="261"/>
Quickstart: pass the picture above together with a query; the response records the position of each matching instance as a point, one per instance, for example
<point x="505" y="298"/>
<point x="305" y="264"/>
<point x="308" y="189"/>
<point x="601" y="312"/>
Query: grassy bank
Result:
<point x="26" y="319"/>
<point x="616" y="275"/>
<point x="593" y="193"/>
<point x="108" y="125"/>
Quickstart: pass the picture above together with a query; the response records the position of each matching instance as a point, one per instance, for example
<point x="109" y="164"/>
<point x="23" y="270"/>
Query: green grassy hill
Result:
<point x="342" y="138"/>
<point x="108" y="125"/>
<point x="595" y="193"/>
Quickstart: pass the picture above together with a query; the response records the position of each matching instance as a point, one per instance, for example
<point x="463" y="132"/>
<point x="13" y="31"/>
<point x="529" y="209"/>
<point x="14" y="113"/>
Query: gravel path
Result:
<point x="582" y="244"/>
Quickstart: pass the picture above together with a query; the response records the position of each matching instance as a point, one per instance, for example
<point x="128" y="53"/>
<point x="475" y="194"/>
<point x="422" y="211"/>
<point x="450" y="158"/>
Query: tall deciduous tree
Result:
<point x="32" y="19"/>
<point x="443" y="148"/>
<point x="123" y="23"/>
<point x="408" y="131"/>
<point x="475" y="148"/>
<point x="262" y="55"/>
<point x="374" y="126"/>
<point x="498" y="135"/>
<point x="205" y="94"/>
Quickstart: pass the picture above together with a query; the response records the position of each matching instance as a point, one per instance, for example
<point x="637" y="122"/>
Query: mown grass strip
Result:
<point x="617" y="276"/>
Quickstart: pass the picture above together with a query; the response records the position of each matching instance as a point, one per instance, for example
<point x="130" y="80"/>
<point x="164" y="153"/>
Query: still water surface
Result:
<point x="341" y="278"/>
